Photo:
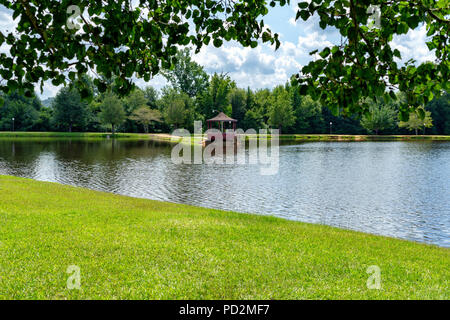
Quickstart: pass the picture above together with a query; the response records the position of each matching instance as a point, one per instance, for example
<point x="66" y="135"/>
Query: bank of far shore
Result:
<point x="198" y="139"/>
<point x="128" y="248"/>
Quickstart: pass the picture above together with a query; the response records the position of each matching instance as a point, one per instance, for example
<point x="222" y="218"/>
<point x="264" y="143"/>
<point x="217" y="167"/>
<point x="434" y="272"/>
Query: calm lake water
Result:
<point x="399" y="189"/>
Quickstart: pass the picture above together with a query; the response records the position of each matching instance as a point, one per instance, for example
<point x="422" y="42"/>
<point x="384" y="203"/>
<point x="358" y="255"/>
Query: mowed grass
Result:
<point x="129" y="248"/>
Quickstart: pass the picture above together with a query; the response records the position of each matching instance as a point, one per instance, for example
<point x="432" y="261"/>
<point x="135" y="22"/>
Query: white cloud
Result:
<point x="260" y="67"/>
<point x="413" y="45"/>
<point x="293" y="22"/>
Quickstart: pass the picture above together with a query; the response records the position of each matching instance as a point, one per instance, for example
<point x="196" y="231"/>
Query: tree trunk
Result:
<point x="70" y="127"/>
<point x="376" y="131"/>
<point x="416" y="132"/>
<point x="113" y="131"/>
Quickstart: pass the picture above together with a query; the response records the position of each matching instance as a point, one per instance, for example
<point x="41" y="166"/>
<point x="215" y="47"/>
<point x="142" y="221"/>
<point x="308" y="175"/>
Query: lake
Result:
<point x="398" y="189"/>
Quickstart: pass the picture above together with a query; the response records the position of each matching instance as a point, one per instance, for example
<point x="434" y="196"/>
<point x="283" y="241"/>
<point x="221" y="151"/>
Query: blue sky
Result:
<point x="263" y="67"/>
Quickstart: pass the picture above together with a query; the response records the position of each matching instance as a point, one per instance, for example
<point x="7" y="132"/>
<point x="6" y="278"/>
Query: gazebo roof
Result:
<point x="221" y="117"/>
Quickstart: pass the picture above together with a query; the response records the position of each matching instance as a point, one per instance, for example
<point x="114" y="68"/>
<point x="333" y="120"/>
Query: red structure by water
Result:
<point x="225" y="124"/>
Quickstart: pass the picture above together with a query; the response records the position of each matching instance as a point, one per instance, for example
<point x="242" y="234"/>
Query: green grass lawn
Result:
<point x="140" y="249"/>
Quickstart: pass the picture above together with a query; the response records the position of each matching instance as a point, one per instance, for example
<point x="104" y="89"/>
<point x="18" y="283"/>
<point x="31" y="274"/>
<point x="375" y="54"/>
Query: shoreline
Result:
<point x="165" y="137"/>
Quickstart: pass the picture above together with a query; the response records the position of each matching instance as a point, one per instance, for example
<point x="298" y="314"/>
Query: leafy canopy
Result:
<point x="112" y="112"/>
<point x="415" y="122"/>
<point x="145" y="116"/>
<point x="69" y="109"/>
<point x="187" y="75"/>
<point x="118" y="39"/>
<point x="382" y="116"/>
<point x="365" y="64"/>
<point x="281" y="113"/>
<point x="122" y="41"/>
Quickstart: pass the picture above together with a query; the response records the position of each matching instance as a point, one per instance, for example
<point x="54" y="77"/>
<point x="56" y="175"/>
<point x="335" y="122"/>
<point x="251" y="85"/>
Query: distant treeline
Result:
<point x="194" y="95"/>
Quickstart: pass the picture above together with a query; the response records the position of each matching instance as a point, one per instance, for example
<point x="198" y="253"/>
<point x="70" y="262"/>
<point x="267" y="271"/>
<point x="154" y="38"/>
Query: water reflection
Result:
<point x="399" y="189"/>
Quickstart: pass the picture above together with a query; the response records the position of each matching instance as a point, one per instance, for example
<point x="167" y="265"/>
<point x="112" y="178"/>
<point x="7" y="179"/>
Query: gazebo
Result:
<point x="224" y="121"/>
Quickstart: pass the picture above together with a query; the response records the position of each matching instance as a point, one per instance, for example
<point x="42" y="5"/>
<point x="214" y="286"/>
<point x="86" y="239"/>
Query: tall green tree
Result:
<point x="175" y="107"/>
<point x="381" y="116"/>
<point x="70" y="111"/>
<point x="416" y="122"/>
<point x="44" y="121"/>
<point x="308" y="113"/>
<point x="281" y="114"/>
<point x="152" y="95"/>
<point x="238" y="103"/>
<point x="145" y="116"/>
<point x="25" y="112"/>
<point x="215" y="98"/>
<point x="186" y="75"/>
<point x="254" y="119"/>
<point x="440" y="112"/>
<point x="134" y="100"/>
<point x="112" y="112"/>
<point x="175" y="112"/>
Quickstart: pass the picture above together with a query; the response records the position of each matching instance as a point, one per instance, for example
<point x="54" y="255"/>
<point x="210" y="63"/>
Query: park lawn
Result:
<point x="128" y="248"/>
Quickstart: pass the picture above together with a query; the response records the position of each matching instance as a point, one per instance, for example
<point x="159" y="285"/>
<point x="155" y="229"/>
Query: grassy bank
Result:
<point x="135" y="248"/>
<point x="343" y="137"/>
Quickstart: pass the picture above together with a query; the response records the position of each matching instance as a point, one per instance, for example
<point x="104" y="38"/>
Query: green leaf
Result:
<point x="217" y="42"/>
<point x="325" y="52"/>
<point x="421" y="113"/>
<point x="303" y="5"/>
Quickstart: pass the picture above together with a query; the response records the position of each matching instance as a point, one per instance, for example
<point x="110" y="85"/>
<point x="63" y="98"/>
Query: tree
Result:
<point x="174" y="106"/>
<point x="25" y="112"/>
<point x="381" y="116"/>
<point x="253" y="120"/>
<point x="119" y="38"/>
<point x="44" y="121"/>
<point x="341" y="124"/>
<point x="151" y="94"/>
<point x="238" y="102"/>
<point x="135" y="100"/>
<point x="364" y="64"/>
<point x="175" y="112"/>
<point x="440" y="112"/>
<point x="186" y="75"/>
<point x="416" y="122"/>
<point x="262" y="102"/>
<point x="308" y="113"/>
<point x="69" y="110"/>
<point x="281" y="114"/>
<point x="112" y="112"/>
<point x="215" y="98"/>
<point x="145" y="116"/>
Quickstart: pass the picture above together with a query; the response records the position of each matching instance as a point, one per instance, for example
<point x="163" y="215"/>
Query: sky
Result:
<point x="264" y="67"/>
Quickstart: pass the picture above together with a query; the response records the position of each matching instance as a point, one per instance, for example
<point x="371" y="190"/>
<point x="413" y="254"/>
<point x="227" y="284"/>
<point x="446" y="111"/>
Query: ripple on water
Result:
<point x="399" y="189"/>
